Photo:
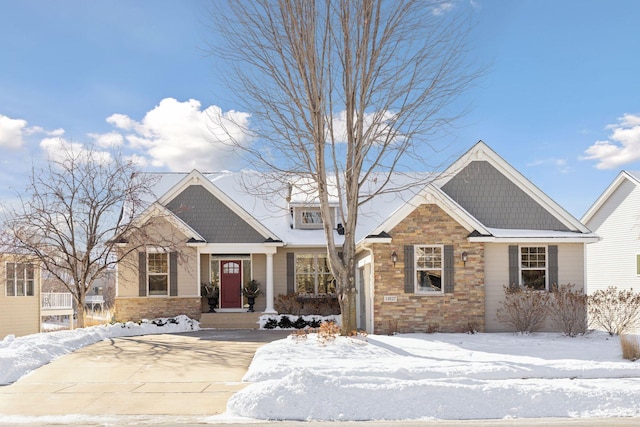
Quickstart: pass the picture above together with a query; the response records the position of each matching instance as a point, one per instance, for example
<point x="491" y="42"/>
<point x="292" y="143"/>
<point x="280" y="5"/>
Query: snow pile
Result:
<point x="18" y="356"/>
<point x="440" y="376"/>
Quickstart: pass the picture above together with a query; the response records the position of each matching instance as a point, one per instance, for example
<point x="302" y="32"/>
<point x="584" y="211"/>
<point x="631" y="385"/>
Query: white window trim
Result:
<point x="15" y="279"/>
<point x="315" y="275"/>
<point x="416" y="286"/>
<point x="546" y="265"/>
<point x="158" y="251"/>
<point x="299" y="212"/>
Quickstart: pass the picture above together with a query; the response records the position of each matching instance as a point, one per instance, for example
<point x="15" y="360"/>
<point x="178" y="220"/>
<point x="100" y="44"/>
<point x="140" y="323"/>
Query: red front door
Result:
<point x="230" y="284"/>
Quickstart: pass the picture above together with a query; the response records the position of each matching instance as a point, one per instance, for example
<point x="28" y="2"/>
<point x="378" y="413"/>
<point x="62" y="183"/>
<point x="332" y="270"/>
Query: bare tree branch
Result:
<point x="74" y="214"/>
<point x="342" y="91"/>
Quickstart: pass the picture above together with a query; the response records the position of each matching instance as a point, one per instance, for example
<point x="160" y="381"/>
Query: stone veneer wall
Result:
<point x="138" y="308"/>
<point x="459" y="311"/>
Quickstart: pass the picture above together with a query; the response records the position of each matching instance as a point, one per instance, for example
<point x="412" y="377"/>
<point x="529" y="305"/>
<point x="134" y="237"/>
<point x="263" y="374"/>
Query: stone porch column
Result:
<point x="270" y="297"/>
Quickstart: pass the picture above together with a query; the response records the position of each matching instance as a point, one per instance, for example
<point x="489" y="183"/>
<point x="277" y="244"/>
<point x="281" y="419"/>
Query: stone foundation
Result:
<point x="138" y="308"/>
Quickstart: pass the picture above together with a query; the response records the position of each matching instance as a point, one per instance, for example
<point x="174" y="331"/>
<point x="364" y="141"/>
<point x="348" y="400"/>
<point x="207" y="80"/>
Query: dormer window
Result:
<point x="311" y="217"/>
<point x="308" y="218"/>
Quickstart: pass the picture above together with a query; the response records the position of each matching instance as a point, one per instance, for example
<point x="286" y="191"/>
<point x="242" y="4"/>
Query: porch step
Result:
<point x="224" y="320"/>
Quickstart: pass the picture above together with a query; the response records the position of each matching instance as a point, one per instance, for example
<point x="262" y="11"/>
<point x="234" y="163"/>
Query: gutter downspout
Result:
<point x="365" y="246"/>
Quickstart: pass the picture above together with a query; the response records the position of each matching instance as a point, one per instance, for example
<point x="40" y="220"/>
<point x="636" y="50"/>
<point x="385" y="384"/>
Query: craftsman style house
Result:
<point x="436" y="256"/>
<point x="615" y="260"/>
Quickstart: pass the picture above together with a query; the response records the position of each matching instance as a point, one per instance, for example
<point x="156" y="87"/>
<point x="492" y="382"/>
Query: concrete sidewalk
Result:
<point x="189" y="374"/>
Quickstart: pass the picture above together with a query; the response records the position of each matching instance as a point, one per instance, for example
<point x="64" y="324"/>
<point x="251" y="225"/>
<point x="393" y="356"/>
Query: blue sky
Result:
<point x="560" y="101"/>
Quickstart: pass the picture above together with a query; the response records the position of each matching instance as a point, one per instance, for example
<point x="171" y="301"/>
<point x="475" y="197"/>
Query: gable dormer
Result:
<point x="304" y="206"/>
<point x="309" y="217"/>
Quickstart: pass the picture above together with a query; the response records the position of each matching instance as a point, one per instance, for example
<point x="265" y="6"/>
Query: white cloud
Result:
<point x="57" y="149"/>
<point x="380" y="131"/>
<point x="622" y="147"/>
<point x="39" y="129"/>
<point x="11" y="131"/>
<point x="442" y="8"/>
<point x="107" y="140"/>
<point x="121" y="121"/>
<point x="560" y="164"/>
<point x="181" y="136"/>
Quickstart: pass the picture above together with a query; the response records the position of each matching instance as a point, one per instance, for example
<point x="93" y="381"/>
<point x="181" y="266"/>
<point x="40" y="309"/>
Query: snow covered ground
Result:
<point x="401" y="377"/>
<point x="440" y="376"/>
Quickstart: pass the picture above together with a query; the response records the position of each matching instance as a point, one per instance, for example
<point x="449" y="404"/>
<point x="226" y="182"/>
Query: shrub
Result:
<point x="328" y="331"/>
<point x="300" y="335"/>
<point x="285" y="322"/>
<point x="568" y="309"/>
<point x="271" y="323"/>
<point x="523" y="309"/>
<point x="315" y="323"/>
<point x="615" y="310"/>
<point x="288" y="304"/>
<point x="300" y="323"/>
<point x="301" y="304"/>
<point x="630" y="347"/>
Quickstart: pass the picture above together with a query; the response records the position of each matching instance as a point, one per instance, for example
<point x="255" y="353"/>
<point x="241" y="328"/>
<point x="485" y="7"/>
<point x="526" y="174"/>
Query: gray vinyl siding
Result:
<point x="613" y="260"/>
<point x="496" y="201"/>
<point x="214" y="220"/>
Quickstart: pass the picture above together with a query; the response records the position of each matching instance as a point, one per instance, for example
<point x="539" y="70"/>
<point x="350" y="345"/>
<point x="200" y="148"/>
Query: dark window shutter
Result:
<point x="553" y="265"/>
<point x="142" y="274"/>
<point x="638" y="265"/>
<point x="291" y="273"/>
<point x="409" y="273"/>
<point x="514" y="270"/>
<point x="173" y="274"/>
<point x="448" y="269"/>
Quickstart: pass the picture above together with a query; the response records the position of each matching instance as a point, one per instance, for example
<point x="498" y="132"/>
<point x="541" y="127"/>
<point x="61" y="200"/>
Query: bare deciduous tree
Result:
<point x="339" y="91"/>
<point x="72" y="213"/>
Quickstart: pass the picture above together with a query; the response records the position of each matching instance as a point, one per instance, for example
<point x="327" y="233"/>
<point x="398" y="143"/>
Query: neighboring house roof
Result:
<point x="481" y="191"/>
<point x="623" y="183"/>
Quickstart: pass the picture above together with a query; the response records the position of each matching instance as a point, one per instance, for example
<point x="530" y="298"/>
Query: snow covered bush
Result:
<point x="284" y="321"/>
<point x="523" y="309"/>
<point x="615" y="310"/>
<point x="568" y="309"/>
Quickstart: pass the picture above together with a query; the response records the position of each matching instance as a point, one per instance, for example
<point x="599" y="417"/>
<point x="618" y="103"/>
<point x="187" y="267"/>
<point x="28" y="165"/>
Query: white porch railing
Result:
<point x="93" y="301"/>
<point x="56" y="301"/>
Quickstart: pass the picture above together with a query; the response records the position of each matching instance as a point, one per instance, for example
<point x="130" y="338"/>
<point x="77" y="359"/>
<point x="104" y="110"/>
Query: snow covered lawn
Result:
<point x="440" y="376"/>
<point x="401" y="377"/>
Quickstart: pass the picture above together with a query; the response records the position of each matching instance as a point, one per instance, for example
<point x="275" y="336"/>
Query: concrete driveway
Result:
<point x="191" y="373"/>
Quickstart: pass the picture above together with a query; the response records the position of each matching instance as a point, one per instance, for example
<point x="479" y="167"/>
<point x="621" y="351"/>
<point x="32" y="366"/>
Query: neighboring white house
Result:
<point x="615" y="217"/>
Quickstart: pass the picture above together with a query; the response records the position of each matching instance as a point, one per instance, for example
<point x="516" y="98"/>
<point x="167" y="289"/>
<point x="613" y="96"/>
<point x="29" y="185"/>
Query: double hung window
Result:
<point x="20" y="279"/>
<point x="428" y="266"/>
<point x="533" y="267"/>
<point x="158" y="273"/>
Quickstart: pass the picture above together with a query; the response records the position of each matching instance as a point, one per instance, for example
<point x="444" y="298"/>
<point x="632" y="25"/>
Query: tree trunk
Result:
<point x="348" y="312"/>
<point x="80" y="310"/>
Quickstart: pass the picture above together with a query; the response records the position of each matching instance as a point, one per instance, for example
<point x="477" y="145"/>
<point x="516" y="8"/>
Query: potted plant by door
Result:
<point x="251" y="291"/>
<point x="211" y="293"/>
